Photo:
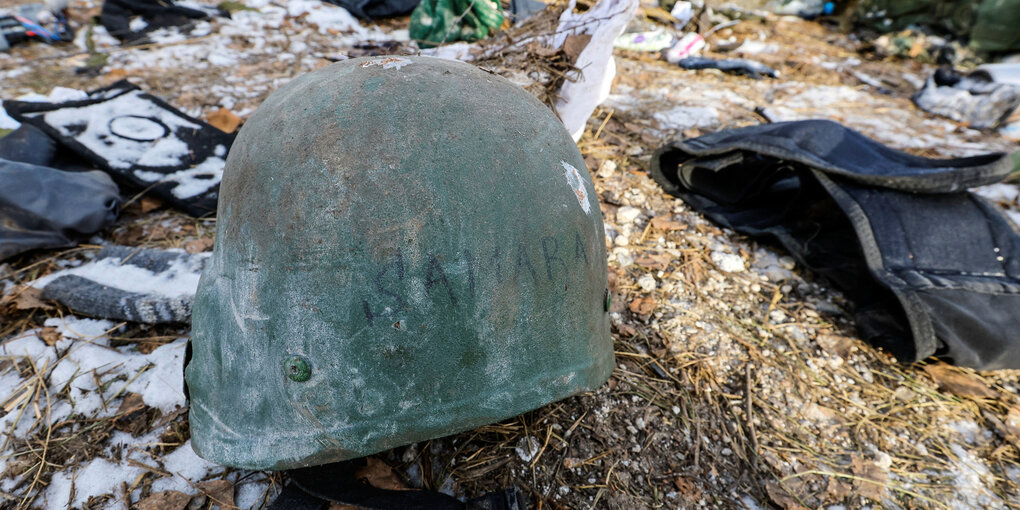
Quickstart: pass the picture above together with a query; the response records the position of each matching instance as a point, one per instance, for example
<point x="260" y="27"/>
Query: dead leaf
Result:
<point x="573" y="45"/>
<point x="821" y="414"/>
<point x="782" y="497"/>
<point x="688" y="488"/>
<point x="837" y="345"/>
<point x="224" y="120"/>
<point x="612" y="276"/>
<point x="538" y="49"/>
<point x="132" y="415"/>
<point x="131" y="403"/>
<point x="626" y="329"/>
<point x="871" y="479"/>
<point x="380" y="475"/>
<point x="221" y="492"/>
<point x="17" y="466"/>
<point x="643" y="305"/>
<point x="657" y="261"/>
<point x="115" y="74"/>
<point x="634" y="128"/>
<point x="157" y="233"/>
<point x="169" y="417"/>
<point x="164" y="500"/>
<point x="916" y="49"/>
<point x="837" y="489"/>
<point x="199" y="245"/>
<point x="657" y="13"/>
<point x="29" y="298"/>
<point x="662" y="223"/>
<point x="50" y="336"/>
<point x="147" y="204"/>
<point x="904" y="394"/>
<point x="961" y="384"/>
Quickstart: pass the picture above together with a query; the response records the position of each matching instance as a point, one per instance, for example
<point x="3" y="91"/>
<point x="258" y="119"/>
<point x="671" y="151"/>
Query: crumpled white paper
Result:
<point x="604" y="22"/>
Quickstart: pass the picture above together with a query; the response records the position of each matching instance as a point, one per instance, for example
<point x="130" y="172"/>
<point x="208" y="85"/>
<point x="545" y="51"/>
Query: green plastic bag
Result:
<point x="436" y="22"/>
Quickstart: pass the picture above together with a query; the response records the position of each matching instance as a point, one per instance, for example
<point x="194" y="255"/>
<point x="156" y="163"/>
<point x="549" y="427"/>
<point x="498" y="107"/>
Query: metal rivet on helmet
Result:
<point x="426" y="235"/>
<point x="297" y="369"/>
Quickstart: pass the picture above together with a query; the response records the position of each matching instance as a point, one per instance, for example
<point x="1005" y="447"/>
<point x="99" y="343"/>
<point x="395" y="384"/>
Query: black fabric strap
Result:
<point x="293" y="498"/>
<point x="314" y="487"/>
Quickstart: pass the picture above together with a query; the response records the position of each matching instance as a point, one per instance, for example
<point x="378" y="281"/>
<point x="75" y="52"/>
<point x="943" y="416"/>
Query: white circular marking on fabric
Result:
<point x="139" y="129"/>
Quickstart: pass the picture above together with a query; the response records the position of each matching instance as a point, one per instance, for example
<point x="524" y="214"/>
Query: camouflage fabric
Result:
<point x="435" y="22"/>
<point x="990" y="25"/>
<point x="997" y="27"/>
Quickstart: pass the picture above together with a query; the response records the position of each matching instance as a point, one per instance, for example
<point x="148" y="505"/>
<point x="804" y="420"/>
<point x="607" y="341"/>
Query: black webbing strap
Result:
<point x="313" y="488"/>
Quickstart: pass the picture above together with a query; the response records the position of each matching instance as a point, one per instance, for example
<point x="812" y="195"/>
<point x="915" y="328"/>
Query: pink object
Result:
<point x="689" y="44"/>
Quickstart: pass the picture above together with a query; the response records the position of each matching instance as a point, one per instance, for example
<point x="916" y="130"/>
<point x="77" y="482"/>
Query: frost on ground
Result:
<point x="118" y="410"/>
<point x="739" y="383"/>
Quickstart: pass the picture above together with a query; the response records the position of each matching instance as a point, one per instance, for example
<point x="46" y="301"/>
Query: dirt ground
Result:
<point x="740" y="381"/>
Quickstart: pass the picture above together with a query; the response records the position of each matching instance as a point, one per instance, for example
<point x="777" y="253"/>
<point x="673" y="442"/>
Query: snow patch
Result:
<point x="98" y="477"/>
<point x="685" y="117"/>
<point x="179" y="279"/>
<point x="969" y="477"/>
<point x="728" y="262"/>
<point x="186" y="466"/>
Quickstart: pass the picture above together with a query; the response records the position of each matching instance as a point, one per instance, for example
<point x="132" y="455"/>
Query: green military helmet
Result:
<point x="405" y="248"/>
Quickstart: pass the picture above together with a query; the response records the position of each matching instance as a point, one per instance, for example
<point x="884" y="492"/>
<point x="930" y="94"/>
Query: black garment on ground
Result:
<point x="730" y="65"/>
<point x="372" y="9"/>
<point x="139" y="139"/>
<point x="28" y="144"/>
<point x="116" y="16"/>
<point x="12" y="32"/>
<point x="98" y="299"/>
<point x="42" y="207"/>
<point x="314" y="488"/>
<point x="933" y="269"/>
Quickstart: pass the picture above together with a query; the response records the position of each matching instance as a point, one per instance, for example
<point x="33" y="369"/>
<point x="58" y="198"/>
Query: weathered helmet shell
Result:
<point x="405" y="248"/>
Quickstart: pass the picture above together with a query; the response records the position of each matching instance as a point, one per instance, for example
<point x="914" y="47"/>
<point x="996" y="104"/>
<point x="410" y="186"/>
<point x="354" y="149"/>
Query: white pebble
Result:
<point x="627" y="214"/>
<point x="787" y="262"/>
<point x="527" y="448"/>
<point x="646" y="282"/>
<point x="623" y="257"/>
<point x="728" y="262"/>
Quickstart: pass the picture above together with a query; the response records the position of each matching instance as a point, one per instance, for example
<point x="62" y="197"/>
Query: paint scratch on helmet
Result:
<point x="387" y="63"/>
<point x="575" y="182"/>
